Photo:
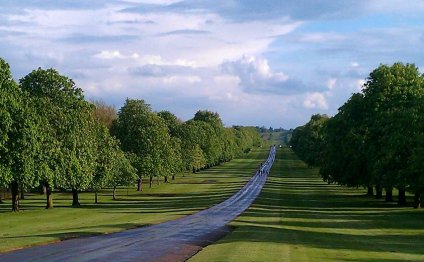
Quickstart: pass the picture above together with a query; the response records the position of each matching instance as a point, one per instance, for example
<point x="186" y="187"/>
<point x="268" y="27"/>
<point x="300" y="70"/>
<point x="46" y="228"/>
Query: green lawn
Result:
<point x="300" y="218"/>
<point x="186" y="195"/>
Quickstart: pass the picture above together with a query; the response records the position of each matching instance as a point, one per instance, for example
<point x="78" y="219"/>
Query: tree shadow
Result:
<point x="295" y="207"/>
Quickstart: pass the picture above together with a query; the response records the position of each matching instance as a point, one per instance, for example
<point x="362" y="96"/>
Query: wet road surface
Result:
<point x="174" y="240"/>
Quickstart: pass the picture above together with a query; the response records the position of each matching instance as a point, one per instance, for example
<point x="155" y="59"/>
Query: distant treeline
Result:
<point x="52" y="138"/>
<point x="376" y="139"/>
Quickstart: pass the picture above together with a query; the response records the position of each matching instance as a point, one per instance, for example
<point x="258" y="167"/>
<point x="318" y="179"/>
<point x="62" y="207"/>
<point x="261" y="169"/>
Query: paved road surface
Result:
<point x="174" y="240"/>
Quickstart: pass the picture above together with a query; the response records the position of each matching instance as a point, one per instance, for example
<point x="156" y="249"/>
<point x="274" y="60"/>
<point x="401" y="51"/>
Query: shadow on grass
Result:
<point x="329" y="240"/>
<point x="297" y="208"/>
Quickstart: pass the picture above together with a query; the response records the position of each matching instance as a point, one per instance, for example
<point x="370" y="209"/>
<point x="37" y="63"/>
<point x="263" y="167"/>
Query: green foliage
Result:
<point x="51" y="136"/>
<point x="19" y="136"/>
<point x="171" y="121"/>
<point x="308" y="141"/>
<point x="344" y="158"/>
<point x="67" y="125"/>
<point x="134" y="209"/>
<point x="144" y="135"/>
<point x="198" y="160"/>
<point x="10" y="106"/>
<point x="376" y="137"/>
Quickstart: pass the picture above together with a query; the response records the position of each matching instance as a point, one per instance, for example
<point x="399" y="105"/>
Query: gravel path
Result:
<point x="174" y="240"/>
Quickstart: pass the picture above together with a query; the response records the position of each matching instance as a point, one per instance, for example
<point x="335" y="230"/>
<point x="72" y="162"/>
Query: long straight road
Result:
<point x="174" y="240"/>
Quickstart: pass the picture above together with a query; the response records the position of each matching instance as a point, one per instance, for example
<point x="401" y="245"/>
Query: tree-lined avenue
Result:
<point x="179" y="238"/>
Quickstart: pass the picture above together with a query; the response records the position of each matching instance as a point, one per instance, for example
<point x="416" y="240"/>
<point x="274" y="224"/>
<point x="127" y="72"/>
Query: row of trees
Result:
<point x="376" y="139"/>
<point x="51" y="137"/>
<point x="161" y="145"/>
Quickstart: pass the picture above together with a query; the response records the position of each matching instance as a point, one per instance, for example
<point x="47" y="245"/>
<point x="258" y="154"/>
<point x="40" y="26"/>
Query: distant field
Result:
<point x="300" y="218"/>
<point x="185" y="195"/>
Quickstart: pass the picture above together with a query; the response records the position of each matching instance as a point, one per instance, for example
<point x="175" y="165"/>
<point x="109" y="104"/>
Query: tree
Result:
<point x="171" y="121"/>
<point x="198" y="160"/>
<point x="175" y="158"/>
<point x="344" y="159"/>
<point x="390" y="94"/>
<point x="104" y="113"/>
<point x="18" y="136"/>
<point x="107" y="148"/>
<point x="144" y="135"/>
<point x="68" y="151"/>
<point x="308" y="140"/>
<point x="376" y="137"/>
<point x="123" y="173"/>
<point x="212" y="142"/>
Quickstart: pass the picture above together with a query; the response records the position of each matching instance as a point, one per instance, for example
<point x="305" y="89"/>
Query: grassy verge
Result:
<point x="186" y="195"/>
<point x="299" y="218"/>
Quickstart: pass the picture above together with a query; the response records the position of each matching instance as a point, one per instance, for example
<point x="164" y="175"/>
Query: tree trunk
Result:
<point x="139" y="182"/>
<point x="2" y="191"/>
<point x="417" y="199"/>
<point x="114" y="193"/>
<point x="370" y="191"/>
<point x="402" y="197"/>
<point x="378" y="192"/>
<point x="75" y="200"/>
<point x="15" y="196"/>
<point x="22" y="193"/>
<point x="173" y="177"/>
<point x="165" y="179"/>
<point x="389" y="195"/>
<point x="95" y="197"/>
<point x="150" y="181"/>
<point x="49" y="197"/>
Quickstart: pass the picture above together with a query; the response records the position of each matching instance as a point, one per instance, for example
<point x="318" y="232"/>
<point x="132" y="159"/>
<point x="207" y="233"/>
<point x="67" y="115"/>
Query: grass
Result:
<point x="300" y="218"/>
<point x="186" y="195"/>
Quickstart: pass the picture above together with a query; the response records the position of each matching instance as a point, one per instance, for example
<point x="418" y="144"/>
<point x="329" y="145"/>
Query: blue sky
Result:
<point x="271" y="63"/>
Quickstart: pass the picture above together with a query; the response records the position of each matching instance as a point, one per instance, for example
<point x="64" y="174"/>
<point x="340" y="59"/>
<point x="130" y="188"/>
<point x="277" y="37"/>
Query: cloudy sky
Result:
<point x="269" y="62"/>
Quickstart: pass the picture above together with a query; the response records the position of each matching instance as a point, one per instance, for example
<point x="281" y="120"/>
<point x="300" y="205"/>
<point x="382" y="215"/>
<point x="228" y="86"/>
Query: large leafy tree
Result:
<point x="213" y="138"/>
<point x="68" y="143"/>
<point x="144" y="135"/>
<point x="174" y="155"/>
<point x="123" y="173"/>
<point x="19" y="139"/>
<point x="107" y="148"/>
<point x="376" y="137"/>
<point x="186" y="133"/>
<point x="391" y="94"/>
<point x="344" y="159"/>
<point x="171" y="121"/>
<point x="308" y="140"/>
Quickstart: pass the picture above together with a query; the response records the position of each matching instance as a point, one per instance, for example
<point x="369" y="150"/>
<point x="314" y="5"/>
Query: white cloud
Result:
<point x="315" y="101"/>
<point x="109" y="55"/>
<point x="359" y="84"/>
<point x="242" y="59"/>
<point x="354" y="64"/>
<point x="181" y="79"/>
<point x="256" y="76"/>
<point x="320" y="37"/>
<point x="331" y="83"/>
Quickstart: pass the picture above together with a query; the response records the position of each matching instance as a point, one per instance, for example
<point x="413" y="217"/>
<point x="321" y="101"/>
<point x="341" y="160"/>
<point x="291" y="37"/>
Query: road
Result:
<point x="174" y="240"/>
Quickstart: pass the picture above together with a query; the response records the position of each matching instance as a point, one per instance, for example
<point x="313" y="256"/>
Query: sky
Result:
<point x="262" y="63"/>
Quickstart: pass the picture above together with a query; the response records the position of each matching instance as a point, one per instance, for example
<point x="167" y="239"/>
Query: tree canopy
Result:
<point x="376" y="138"/>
